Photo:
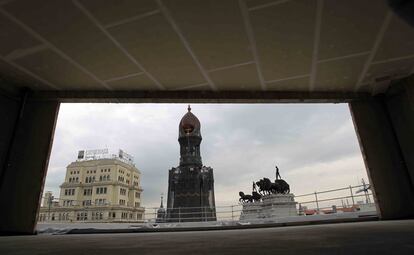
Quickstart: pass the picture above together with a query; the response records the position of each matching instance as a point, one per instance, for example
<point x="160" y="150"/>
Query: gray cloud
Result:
<point x="314" y="145"/>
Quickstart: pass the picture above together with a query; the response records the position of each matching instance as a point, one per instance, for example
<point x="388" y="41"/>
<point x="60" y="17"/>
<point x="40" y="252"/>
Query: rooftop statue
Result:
<point x="265" y="187"/>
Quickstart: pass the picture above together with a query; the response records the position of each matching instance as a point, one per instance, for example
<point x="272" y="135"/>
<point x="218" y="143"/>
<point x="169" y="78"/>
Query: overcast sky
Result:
<point x="314" y="145"/>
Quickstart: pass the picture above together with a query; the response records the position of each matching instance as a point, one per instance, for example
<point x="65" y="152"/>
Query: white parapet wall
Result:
<point x="271" y="206"/>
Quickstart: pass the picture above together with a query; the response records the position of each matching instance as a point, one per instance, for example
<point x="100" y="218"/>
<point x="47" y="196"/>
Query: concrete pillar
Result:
<point x="385" y="129"/>
<point x="400" y="105"/>
<point x="26" y="136"/>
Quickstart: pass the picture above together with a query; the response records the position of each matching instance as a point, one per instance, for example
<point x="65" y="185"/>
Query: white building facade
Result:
<point x="97" y="190"/>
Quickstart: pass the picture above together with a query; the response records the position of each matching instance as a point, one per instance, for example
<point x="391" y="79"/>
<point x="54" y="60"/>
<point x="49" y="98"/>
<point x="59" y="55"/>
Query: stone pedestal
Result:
<point x="271" y="206"/>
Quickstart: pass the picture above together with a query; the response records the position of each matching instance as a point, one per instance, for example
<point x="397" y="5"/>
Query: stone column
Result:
<point x="26" y="136"/>
<point x="385" y="129"/>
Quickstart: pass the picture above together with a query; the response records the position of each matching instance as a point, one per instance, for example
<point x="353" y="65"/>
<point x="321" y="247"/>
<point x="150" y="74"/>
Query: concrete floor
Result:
<point x="379" y="237"/>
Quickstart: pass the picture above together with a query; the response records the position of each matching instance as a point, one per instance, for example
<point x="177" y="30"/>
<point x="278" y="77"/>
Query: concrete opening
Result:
<point x="314" y="142"/>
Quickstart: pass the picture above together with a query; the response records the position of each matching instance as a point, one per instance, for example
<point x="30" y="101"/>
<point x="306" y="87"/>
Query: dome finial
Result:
<point x="189" y="108"/>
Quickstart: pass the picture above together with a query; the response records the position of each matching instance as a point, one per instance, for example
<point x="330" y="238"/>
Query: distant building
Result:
<point x="161" y="212"/>
<point x="97" y="190"/>
<point x="48" y="199"/>
<point x="190" y="185"/>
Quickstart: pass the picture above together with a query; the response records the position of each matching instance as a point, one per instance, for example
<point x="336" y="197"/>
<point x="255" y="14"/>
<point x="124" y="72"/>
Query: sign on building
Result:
<point x="125" y="156"/>
<point x="92" y="154"/>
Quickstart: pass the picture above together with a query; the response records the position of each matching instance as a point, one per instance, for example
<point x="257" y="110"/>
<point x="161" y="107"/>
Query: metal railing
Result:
<point x="318" y="202"/>
<point x="344" y="198"/>
<point x="315" y="202"/>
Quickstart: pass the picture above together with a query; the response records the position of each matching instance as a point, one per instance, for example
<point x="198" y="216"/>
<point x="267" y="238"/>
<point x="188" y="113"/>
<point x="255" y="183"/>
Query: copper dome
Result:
<point x="189" y="122"/>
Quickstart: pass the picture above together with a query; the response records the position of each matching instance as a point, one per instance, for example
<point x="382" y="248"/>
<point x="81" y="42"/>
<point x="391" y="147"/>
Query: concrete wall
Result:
<point x="26" y="138"/>
<point x="385" y="129"/>
<point x="9" y="109"/>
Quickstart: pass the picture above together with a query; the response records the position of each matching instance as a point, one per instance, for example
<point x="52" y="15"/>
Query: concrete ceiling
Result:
<point x="232" y="45"/>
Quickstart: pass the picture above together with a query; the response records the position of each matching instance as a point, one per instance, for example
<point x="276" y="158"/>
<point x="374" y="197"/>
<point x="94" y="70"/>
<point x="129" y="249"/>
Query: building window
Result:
<point x="137" y="204"/>
<point x="87" y="192"/>
<point x="90" y="179"/>
<point x="100" y="201"/>
<point x="97" y="215"/>
<point x="121" y="202"/>
<point x="69" y="192"/>
<point x="82" y="216"/>
<point x="137" y="195"/>
<point x="101" y="190"/>
<point x="122" y="191"/>
<point x="86" y="202"/>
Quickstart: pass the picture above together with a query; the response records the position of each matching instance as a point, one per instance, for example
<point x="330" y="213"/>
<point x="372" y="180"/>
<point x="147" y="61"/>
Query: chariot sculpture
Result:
<point x="265" y="187"/>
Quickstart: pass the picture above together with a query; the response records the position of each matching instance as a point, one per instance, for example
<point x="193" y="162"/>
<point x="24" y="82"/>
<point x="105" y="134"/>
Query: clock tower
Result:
<point x="190" y="185"/>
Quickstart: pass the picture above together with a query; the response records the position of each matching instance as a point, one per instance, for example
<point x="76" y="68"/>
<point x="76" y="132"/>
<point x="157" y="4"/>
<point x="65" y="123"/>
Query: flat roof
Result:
<point x="304" y="46"/>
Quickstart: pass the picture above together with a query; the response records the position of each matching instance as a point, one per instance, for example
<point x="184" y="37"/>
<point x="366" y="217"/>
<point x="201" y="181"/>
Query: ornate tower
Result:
<point x="190" y="185"/>
<point x="161" y="211"/>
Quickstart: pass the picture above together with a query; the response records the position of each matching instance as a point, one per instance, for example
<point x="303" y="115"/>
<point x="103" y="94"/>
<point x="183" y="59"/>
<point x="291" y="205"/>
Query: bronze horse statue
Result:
<point x="255" y="196"/>
<point x="245" y="198"/>
<point x="282" y="186"/>
<point x="278" y="187"/>
<point x="265" y="186"/>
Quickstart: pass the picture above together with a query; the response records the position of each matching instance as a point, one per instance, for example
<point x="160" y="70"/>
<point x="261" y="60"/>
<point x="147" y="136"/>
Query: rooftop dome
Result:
<point x="189" y="122"/>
